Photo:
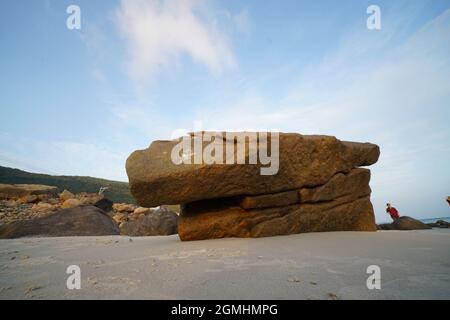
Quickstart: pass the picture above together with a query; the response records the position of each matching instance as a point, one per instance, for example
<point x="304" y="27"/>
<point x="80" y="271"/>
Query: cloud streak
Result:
<point x="158" y="33"/>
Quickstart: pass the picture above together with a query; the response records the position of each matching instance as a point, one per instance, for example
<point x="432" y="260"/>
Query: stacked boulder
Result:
<point x="319" y="186"/>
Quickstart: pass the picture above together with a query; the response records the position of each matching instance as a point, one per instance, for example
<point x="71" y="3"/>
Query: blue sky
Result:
<point x="78" y="102"/>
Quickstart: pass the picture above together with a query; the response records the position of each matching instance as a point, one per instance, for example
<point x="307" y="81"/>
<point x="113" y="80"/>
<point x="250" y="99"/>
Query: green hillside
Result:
<point x="117" y="192"/>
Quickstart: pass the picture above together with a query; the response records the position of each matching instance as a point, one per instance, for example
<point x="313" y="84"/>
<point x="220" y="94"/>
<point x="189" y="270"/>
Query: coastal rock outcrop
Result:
<point x="318" y="186"/>
<point x="404" y="223"/>
<point x="78" y="221"/>
<point x="440" y="224"/>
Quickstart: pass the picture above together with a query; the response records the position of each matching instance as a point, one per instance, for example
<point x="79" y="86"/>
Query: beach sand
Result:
<point x="414" y="265"/>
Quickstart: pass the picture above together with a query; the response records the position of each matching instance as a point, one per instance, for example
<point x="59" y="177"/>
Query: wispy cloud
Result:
<point x="158" y="33"/>
<point x="242" y="21"/>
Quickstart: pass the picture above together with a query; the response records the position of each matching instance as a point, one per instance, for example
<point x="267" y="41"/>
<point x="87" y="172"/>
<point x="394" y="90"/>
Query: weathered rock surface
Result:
<point x="158" y="222"/>
<point x="89" y="198"/>
<point x="141" y="210"/>
<point x="31" y="198"/>
<point x="71" y="203"/>
<point x="124" y="207"/>
<point x="33" y="206"/>
<point x="44" y="207"/>
<point x="439" y="224"/>
<point x="356" y="182"/>
<point x="66" y="195"/>
<point x="77" y="221"/>
<point x="318" y="187"/>
<point x="442" y="224"/>
<point x="104" y="204"/>
<point x="404" y="223"/>
<point x="198" y="223"/>
<point x="341" y="204"/>
<point x="120" y="217"/>
<point x="304" y="161"/>
<point x="408" y="223"/>
<point x="279" y="199"/>
<point x="16" y="191"/>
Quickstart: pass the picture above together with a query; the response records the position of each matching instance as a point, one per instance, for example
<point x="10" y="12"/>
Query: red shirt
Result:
<point x="393" y="212"/>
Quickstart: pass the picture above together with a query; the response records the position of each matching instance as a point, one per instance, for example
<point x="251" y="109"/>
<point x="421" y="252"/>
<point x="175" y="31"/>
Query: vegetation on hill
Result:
<point x="117" y="192"/>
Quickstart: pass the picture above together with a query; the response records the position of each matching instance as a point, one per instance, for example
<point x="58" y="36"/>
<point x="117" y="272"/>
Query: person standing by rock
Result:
<point x="392" y="212"/>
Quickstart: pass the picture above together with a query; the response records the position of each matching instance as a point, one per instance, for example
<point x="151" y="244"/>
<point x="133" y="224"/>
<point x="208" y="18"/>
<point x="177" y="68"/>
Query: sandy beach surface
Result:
<point x="414" y="265"/>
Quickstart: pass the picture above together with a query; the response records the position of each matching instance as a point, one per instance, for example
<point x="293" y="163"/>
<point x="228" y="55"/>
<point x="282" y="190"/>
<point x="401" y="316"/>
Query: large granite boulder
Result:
<point x="303" y="161"/>
<point x="159" y="222"/>
<point x="408" y="223"/>
<point x="404" y="223"/>
<point x="316" y="187"/>
<point x="233" y="221"/>
<point x="16" y="191"/>
<point x="78" y="221"/>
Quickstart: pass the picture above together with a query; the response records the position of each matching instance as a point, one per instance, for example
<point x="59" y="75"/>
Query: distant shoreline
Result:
<point x="433" y="220"/>
<point x="425" y="220"/>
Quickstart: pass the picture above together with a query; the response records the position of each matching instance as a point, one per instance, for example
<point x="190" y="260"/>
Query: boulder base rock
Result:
<point x="404" y="223"/>
<point x="104" y="204"/>
<point x="341" y="204"/>
<point x="408" y="223"/>
<point x="204" y="221"/>
<point x="77" y="221"/>
<point x="159" y="222"/>
<point x="16" y="191"/>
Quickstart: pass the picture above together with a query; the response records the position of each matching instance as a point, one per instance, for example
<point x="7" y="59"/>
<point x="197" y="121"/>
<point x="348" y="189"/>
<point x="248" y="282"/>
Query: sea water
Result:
<point x="433" y="220"/>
